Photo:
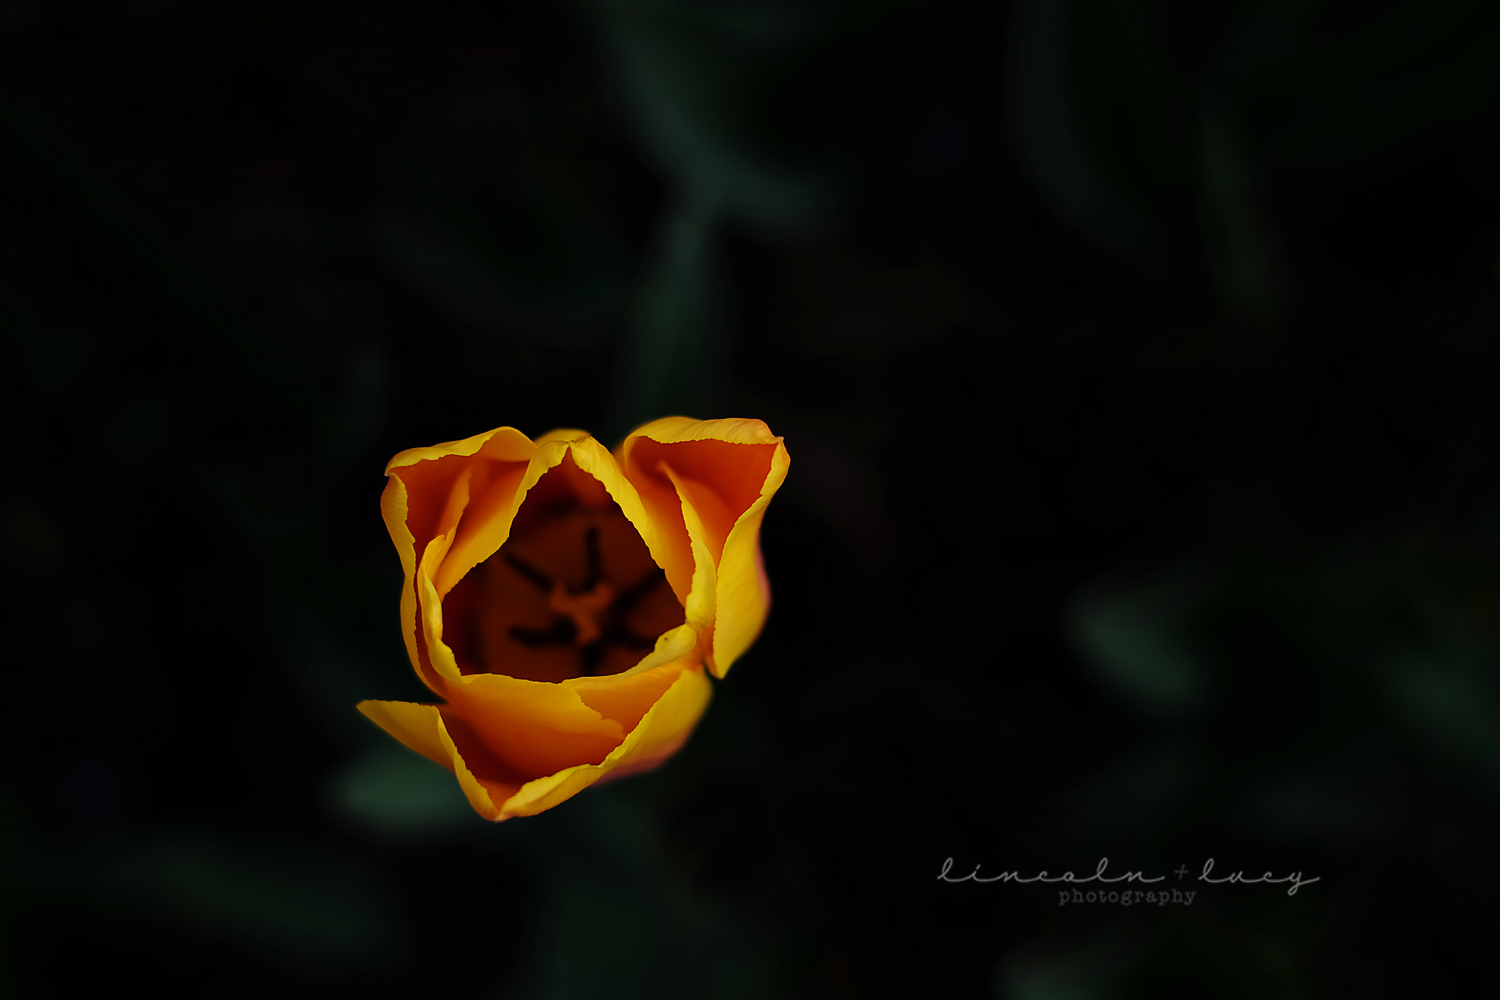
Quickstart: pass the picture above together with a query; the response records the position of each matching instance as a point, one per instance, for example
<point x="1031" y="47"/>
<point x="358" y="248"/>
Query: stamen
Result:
<point x="591" y="617"/>
<point x="542" y="581"/>
<point x="561" y="633"/>
<point x="596" y="563"/>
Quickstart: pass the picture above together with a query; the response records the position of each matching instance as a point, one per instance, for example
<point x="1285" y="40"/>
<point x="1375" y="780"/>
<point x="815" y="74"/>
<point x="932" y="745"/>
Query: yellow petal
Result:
<point x="701" y="599"/>
<point x="486" y="523"/>
<point x="744" y="597"/>
<point x="566" y="435"/>
<point x="415" y="725"/>
<point x="535" y="727"/>
<point x="430" y="611"/>
<point x="487" y="526"/>
<point x="494" y="790"/>
<point x="429" y="475"/>
<point x="725" y="472"/>
<point x="497" y="489"/>
<point x="658" y="519"/>
<point x="673" y="644"/>
<point x="426" y="494"/>
<point x="421" y="727"/>
<point x="503" y="443"/>
<point x="665" y="728"/>
<point x="733" y="430"/>
<point x="393" y="510"/>
<point x="661" y="732"/>
<point x="626" y="698"/>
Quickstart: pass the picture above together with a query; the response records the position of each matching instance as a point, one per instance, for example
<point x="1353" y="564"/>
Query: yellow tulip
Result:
<point x="565" y="602"/>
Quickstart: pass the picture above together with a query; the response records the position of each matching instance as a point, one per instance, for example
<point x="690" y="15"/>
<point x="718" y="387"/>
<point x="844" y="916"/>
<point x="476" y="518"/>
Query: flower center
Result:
<point x="590" y="617"/>
<point x="581" y="609"/>
<point x="573" y="592"/>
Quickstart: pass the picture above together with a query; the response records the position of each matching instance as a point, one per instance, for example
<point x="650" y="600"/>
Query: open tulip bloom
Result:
<point x="565" y="602"/>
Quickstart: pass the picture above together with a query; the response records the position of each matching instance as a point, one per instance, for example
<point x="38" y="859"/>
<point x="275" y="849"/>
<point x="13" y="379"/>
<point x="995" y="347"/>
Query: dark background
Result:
<point x="1139" y="363"/>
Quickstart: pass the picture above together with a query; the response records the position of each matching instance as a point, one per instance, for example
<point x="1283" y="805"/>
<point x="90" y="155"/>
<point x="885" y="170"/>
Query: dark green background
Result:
<point x="1140" y="367"/>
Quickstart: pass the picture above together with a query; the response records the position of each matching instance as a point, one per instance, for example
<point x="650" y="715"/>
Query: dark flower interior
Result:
<point x="573" y="592"/>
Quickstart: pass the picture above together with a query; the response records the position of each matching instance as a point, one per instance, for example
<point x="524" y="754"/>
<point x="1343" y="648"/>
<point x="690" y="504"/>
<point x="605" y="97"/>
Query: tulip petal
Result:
<point x="505" y="444"/>
<point x="488" y="526"/>
<point x="430" y="606"/>
<point x="565" y="435"/>
<point x="744" y="595"/>
<point x="435" y="733"/>
<point x="625" y="698"/>
<point x="415" y="725"/>
<point x="663" y="729"/>
<point x="699" y="606"/>
<point x="429" y="474"/>
<point x="660" y="733"/>
<point x="725" y="471"/>
<point x="422" y="728"/>
<point x="393" y="508"/>
<point x="731" y="430"/>
<point x="487" y="523"/>
<point x="658" y="520"/>
<point x="425" y="495"/>
<point x="498" y="489"/>
<point x="536" y="727"/>
<point x="670" y="645"/>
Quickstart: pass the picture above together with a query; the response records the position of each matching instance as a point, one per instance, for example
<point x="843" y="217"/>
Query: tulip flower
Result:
<point x="566" y="603"/>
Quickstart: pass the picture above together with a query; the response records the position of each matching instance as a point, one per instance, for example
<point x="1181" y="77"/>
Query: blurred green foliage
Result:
<point x="290" y="903"/>
<point x="1138" y="119"/>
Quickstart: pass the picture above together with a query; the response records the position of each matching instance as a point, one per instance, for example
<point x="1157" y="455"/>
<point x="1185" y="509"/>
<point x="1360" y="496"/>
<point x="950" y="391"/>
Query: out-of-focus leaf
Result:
<point x="477" y="289"/>
<point x="1053" y="141"/>
<point x="675" y="354"/>
<point x="629" y="942"/>
<point x="1450" y="706"/>
<point x="689" y="75"/>
<point x="1117" y="113"/>
<point x="1086" y="969"/>
<point x="616" y="918"/>
<point x="1235" y="234"/>
<point x="293" y="904"/>
<point x="1132" y="639"/>
<point x="393" y="791"/>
